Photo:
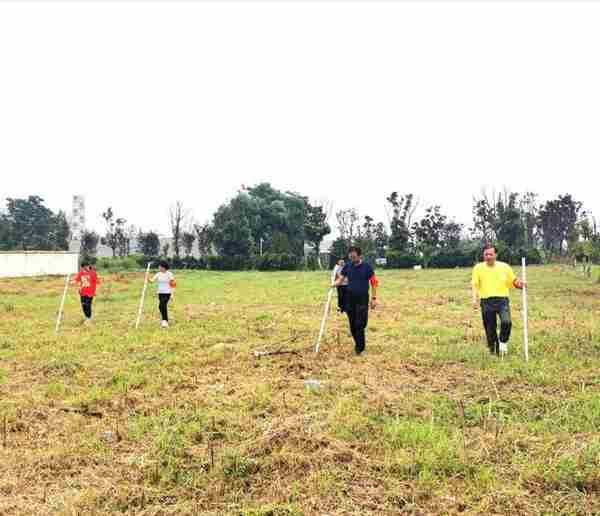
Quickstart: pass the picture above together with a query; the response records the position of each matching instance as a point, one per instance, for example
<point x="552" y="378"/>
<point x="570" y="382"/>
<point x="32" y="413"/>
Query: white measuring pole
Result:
<point x="525" y="318"/>
<point x="62" y="305"/>
<point x="141" y="307"/>
<point x="326" y="313"/>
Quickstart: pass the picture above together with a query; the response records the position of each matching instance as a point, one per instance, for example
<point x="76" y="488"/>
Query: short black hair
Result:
<point x="84" y="263"/>
<point x="487" y="247"/>
<point x="164" y="264"/>
<point x="355" y="249"/>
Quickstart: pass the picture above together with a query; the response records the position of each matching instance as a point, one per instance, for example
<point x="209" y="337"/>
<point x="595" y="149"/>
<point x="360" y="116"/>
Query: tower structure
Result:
<point x="78" y="217"/>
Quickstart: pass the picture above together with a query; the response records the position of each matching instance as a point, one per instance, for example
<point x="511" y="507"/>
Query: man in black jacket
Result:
<point x="360" y="277"/>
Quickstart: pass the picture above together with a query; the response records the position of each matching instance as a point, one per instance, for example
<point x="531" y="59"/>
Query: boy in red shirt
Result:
<point x="87" y="279"/>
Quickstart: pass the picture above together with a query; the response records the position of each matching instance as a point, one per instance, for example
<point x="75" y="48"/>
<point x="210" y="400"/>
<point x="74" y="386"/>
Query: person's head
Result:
<point x="489" y="254"/>
<point x="355" y="254"/>
<point x="341" y="262"/>
<point x="163" y="266"/>
<point x="85" y="266"/>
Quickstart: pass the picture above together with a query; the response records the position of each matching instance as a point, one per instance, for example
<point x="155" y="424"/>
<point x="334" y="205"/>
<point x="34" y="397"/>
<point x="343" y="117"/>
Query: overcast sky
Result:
<point x="138" y="104"/>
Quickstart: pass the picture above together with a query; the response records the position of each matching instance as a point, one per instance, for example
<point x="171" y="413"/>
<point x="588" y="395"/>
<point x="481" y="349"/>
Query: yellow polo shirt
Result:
<point x="493" y="281"/>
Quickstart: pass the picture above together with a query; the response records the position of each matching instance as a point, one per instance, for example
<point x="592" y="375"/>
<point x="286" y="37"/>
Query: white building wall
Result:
<point x="37" y="263"/>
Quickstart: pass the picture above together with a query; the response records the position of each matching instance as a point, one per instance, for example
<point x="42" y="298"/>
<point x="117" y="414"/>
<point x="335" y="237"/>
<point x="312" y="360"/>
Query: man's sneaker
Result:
<point x="87" y="321"/>
<point x="503" y="348"/>
<point x="164" y="324"/>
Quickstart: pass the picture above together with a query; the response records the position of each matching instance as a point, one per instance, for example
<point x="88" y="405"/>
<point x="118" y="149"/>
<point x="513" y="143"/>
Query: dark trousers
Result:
<point x="86" y="305"/>
<point x="357" y="308"/>
<point x="493" y="308"/>
<point x="342" y="294"/>
<point x="163" y="301"/>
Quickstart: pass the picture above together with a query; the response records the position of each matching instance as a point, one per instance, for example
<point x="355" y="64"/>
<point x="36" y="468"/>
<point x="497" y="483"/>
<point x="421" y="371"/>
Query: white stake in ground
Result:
<point x="62" y="305"/>
<point x="525" y="318"/>
<point x="141" y="307"/>
<point x="326" y="313"/>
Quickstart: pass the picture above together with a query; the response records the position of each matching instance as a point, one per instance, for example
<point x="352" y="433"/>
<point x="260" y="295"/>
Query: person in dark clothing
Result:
<point x="342" y="290"/>
<point x="360" y="277"/>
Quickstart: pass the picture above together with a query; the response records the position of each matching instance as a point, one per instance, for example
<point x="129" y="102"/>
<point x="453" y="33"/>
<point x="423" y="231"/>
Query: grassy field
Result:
<point x="107" y="420"/>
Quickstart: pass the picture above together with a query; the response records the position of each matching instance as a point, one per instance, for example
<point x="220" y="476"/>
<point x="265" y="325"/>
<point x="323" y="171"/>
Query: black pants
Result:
<point x="86" y="305"/>
<point x="491" y="309"/>
<point x="163" y="301"/>
<point x="342" y="294"/>
<point x="357" y="308"/>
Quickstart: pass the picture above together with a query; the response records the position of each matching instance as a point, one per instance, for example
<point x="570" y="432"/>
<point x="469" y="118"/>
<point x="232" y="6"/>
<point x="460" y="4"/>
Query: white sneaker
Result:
<point x="503" y="347"/>
<point x="164" y="324"/>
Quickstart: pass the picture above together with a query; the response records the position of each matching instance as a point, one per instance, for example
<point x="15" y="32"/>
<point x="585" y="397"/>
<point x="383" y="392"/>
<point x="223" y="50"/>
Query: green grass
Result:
<point x="109" y="420"/>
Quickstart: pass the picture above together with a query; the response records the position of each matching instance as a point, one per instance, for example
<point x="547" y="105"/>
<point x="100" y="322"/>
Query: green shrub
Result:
<point x="278" y="262"/>
<point x="452" y="258"/>
<point x="398" y="260"/>
<point x="125" y="263"/>
<point x="230" y="263"/>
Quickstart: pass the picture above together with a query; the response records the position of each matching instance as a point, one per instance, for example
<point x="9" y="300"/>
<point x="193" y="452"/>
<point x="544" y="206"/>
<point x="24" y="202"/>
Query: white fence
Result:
<point x="37" y="263"/>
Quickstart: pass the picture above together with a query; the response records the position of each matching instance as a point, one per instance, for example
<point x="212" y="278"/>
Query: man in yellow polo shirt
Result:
<point x="492" y="281"/>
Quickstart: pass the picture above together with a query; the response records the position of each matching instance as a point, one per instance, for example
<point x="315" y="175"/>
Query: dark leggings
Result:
<point x="357" y="308"/>
<point x="342" y="293"/>
<point x="163" y="301"/>
<point x="86" y="305"/>
<point x="491" y="309"/>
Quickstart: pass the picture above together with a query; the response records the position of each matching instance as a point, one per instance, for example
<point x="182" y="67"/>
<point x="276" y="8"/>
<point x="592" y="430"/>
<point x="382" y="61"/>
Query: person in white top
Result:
<point x="166" y="286"/>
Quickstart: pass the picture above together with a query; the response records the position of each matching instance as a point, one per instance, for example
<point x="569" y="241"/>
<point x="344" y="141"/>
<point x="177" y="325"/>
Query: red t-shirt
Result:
<point x="88" y="280"/>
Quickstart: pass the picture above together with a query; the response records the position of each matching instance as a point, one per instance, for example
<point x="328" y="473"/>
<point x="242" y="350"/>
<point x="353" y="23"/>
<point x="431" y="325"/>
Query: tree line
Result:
<point x="266" y="228"/>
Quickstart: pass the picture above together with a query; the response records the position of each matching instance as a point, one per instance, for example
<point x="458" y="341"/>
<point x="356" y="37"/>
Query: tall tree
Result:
<point x="29" y="225"/>
<point x="258" y="213"/>
<point x="60" y="233"/>
<point x="588" y="228"/>
<point x="530" y="213"/>
<point x="484" y="218"/>
<point x="401" y="209"/>
<point x="89" y="243"/>
<point x="381" y="239"/>
<point x="177" y="217"/>
<point x="188" y="239"/>
<point x="6" y="237"/>
<point x="231" y="226"/>
<point x="114" y="235"/>
<point x="365" y="238"/>
<point x="509" y="221"/>
<point x="429" y="232"/>
<point x="348" y="222"/>
<point x="316" y="227"/>
<point x="149" y="243"/>
<point x="452" y="233"/>
<point x="205" y="238"/>
<point x="557" y="223"/>
<point x="505" y="217"/>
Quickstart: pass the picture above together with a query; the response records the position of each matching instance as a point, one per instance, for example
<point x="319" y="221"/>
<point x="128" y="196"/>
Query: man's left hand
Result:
<point x="373" y="303"/>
